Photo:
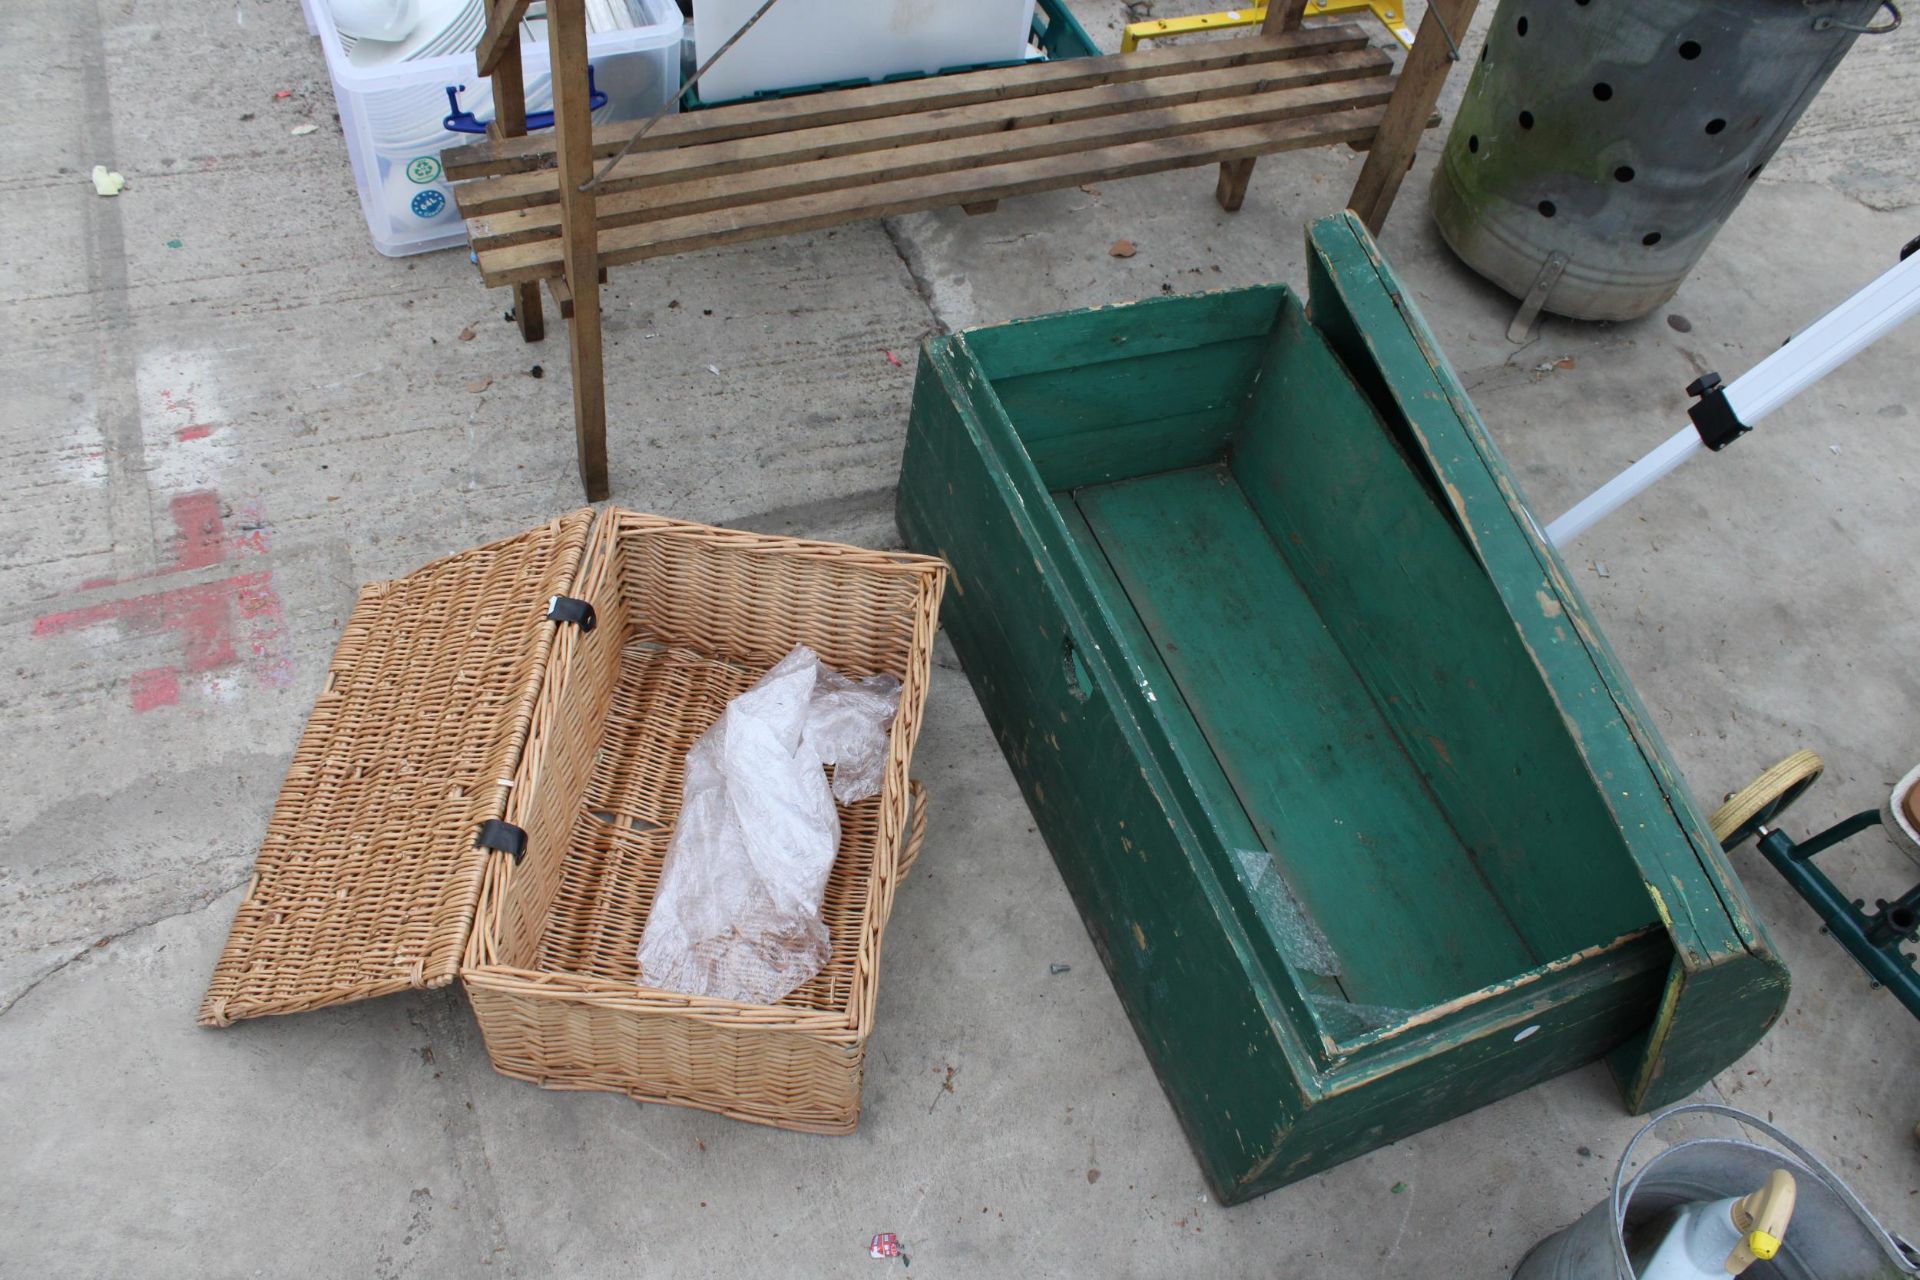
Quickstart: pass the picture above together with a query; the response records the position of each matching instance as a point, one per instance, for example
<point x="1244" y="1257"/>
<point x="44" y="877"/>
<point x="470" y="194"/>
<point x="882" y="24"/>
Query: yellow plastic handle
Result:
<point x="1763" y="1217"/>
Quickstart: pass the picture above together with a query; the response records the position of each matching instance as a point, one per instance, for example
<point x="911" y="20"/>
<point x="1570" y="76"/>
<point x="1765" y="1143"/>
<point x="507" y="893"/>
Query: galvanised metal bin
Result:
<point x="1600" y="146"/>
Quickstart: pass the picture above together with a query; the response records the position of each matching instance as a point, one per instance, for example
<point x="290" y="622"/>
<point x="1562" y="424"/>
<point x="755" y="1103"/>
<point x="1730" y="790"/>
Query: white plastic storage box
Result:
<point x="820" y="42"/>
<point x="393" y="115"/>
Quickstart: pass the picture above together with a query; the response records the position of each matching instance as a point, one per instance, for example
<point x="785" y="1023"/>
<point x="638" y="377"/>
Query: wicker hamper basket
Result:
<point x="485" y="790"/>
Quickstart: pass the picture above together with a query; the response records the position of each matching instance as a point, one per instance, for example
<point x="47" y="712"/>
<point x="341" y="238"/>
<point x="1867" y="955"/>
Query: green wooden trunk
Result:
<point x="1357" y="804"/>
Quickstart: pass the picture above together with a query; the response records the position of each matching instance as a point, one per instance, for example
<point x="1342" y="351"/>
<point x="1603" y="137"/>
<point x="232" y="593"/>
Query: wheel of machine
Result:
<point x="1900" y="814"/>
<point x="1765" y="798"/>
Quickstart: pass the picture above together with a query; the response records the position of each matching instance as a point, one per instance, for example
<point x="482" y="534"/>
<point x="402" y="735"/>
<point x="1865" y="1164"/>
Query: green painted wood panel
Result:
<point x="1157" y="916"/>
<point x="1278" y="928"/>
<point x="1578" y="1016"/>
<point x="1106" y="393"/>
<point x="1099" y="335"/>
<point x="1213" y="379"/>
<point x="1176" y="407"/>
<point x="1379" y="334"/>
<point x="1310" y="758"/>
<point x="1116" y="453"/>
<point x="1431" y="638"/>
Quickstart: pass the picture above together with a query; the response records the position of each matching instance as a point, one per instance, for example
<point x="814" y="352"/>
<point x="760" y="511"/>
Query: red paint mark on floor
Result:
<point x="197" y="431"/>
<point x="199" y="531"/>
<point x="159" y="687"/>
<point x="204" y="614"/>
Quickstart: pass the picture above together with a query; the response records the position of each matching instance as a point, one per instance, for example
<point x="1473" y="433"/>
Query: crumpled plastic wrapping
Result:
<point x="737" y="914"/>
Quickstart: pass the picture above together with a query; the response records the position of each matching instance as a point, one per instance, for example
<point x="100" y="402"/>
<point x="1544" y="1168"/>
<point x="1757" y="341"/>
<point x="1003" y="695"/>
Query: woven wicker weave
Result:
<point x="452" y="700"/>
<point x="689" y="617"/>
<point x="367" y="878"/>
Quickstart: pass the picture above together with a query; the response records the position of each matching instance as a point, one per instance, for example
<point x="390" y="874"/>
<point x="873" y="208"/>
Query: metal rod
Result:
<point x="674" y="101"/>
<point x="1813" y="846"/>
<point x="1895" y="921"/>
<point x="1625" y="487"/>
<point x="1807" y="357"/>
<point x="1827" y="343"/>
<point x="1453" y="46"/>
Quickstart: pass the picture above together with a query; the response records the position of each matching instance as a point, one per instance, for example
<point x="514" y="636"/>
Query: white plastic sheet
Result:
<point x="737" y="915"/>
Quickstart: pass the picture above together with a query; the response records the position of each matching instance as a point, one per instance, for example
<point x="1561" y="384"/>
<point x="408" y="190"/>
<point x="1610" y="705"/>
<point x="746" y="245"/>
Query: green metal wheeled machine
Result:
<point x="1875" y="939"/>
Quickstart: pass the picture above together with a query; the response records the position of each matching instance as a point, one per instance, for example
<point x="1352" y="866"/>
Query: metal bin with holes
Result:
<point x="1602" y="143"/>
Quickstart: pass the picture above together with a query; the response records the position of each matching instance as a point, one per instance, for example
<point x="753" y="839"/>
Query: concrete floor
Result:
<point x="224" y="412"/>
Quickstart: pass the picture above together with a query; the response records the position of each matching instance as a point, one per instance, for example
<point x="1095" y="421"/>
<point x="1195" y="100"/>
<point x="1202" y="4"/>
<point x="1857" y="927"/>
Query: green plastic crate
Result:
<point x="1055" y="30"/>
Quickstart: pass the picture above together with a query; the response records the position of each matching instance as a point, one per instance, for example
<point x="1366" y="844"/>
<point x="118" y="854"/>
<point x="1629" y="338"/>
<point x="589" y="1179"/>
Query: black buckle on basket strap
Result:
<point x="502" y="837"/>
<point x="568" y="609"/>
<point x="1715" y="420"/>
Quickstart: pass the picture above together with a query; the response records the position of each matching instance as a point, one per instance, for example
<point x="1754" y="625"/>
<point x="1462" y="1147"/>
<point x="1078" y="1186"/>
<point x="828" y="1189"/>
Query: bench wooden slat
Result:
<point x="645" y="240"/>
<point x="843" y="106"/>
<point x="947" y="156"/>
<point x="658" y="168"/>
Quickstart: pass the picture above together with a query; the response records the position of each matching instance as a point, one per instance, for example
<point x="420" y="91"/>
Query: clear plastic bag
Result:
<point x="847" y="727"/>
<point x="737" y="914"/>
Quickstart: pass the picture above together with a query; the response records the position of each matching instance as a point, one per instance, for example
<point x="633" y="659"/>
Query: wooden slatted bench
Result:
<point x="743" y="172"/>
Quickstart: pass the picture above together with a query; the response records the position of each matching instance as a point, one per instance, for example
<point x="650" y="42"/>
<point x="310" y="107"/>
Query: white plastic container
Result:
<point x="392" y="116"/>
<point x="806" y="42"/>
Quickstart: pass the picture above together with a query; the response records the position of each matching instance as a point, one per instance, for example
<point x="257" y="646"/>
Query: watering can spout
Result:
<point x="1762" y="1221"/>
<point x="1711" y="1238"/>
<point x="1655" y="1225"/>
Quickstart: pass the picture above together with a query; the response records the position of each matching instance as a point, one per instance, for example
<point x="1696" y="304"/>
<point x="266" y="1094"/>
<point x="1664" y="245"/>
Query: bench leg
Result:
<point x="1425" y="70"/>
<point x="510" y="121"/>
<point x="1231" y="190"/>
<point x="589" y="394"/>
<point x="527" y="313"/>
<point x="573" y="142"/>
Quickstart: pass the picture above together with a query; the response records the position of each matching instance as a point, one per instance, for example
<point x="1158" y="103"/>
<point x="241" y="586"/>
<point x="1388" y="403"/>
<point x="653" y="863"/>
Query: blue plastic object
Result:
<point x="458" y="121"/>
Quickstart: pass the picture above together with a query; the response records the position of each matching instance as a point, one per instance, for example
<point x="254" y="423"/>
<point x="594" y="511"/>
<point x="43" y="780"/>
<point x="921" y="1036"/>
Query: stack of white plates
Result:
<point x="444" y="26"/>
<point x="406" y="120"/>
<point x="608" y="15"/>
<point x="455" y="26"/>
<point x="405" y="116"/>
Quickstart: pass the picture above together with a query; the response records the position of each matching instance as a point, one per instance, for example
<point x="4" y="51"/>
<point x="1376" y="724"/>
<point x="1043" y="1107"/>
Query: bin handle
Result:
<point x="1828" y="23"/>
<point x="458" y="121"/>
<point x="1902" y="1254"/>
<point x="916" y="829"/>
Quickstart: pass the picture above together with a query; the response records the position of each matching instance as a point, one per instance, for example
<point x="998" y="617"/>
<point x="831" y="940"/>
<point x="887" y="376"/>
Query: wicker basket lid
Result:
<point x="368" y="876"/>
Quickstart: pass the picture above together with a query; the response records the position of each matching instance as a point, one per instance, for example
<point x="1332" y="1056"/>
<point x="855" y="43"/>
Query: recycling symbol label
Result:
<point x="423" y="169"/>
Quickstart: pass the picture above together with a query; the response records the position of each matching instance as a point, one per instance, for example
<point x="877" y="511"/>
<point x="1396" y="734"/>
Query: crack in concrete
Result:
<point x="171" y="580"/>
<point x="1837" y="187"/>
<point x="446" y="1030"/>
<point x="89" y="948"/>
<point x="911" y="258"/>
<point x="122" y="436"/>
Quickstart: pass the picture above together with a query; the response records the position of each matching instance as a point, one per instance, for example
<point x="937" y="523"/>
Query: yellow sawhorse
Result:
<point x="1391" y="14"/>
